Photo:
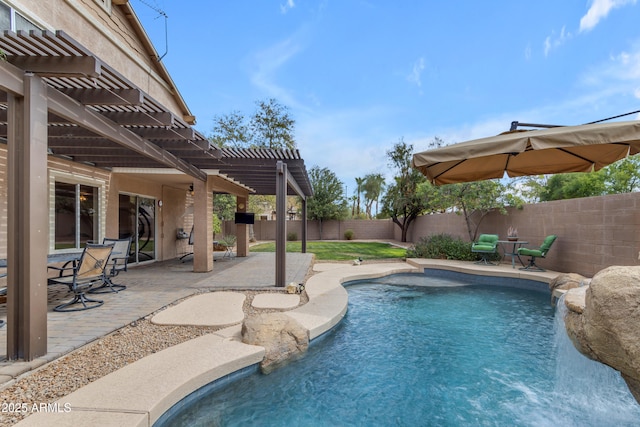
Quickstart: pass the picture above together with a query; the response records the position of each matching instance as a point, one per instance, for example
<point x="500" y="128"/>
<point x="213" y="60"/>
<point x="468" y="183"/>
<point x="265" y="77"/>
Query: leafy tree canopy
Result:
<point x="271" y="126"/>
<point x="328" y="200"/>
<point x="405" y="198"/>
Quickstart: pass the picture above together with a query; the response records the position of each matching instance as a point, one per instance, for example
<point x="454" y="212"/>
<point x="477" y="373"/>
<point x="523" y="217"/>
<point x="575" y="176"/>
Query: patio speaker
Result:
<point x="244" y="217"/>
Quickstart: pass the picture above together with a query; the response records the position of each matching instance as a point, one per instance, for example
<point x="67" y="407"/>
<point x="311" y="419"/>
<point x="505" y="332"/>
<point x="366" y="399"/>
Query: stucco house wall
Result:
<point x="109" y="34"/>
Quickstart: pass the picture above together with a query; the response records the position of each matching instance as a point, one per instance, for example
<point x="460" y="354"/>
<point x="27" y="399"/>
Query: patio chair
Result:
<point x="81" y="277"/>
<point x="190" y="244"/>
<point x="537" y="253"/>
<point x="118" y="261"/>
<point x="486" y="245"/>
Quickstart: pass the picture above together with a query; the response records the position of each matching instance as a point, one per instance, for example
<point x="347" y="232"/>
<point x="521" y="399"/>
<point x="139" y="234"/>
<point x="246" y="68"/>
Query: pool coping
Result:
<point x="165" y="378"/>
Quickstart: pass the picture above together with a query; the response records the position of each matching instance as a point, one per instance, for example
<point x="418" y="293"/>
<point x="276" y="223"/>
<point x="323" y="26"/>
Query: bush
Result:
<point x="292" y="236"/>
<point x="442" y="246"/>
<point x="349" y="234"/>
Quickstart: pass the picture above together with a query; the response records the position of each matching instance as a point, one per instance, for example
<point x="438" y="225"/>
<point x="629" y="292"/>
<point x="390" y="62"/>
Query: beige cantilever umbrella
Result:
<point x="581" y="148"/>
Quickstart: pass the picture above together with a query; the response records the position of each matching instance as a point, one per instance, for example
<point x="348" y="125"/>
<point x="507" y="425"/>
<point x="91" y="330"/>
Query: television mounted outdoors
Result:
<point x="244" y="217"/>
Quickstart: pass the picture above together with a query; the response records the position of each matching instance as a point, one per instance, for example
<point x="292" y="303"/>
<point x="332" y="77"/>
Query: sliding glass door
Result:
<point x="137" y="219"/>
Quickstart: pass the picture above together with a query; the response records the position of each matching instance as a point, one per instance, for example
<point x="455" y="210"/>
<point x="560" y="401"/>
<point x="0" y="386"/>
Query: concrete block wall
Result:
<point x="593" y="232"/>
<point x="331" y="230"/>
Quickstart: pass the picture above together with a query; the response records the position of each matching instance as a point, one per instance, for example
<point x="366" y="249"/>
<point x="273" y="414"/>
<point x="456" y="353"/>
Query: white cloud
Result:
<point x="266" y="64"/>
<point x="553" y="41"/>
<point x="351" y="142"/>
<point x="415" y="76"/>
<point x="527" y="52"/>
<point x="290" y="4"/>
<point x="599" y="10"/>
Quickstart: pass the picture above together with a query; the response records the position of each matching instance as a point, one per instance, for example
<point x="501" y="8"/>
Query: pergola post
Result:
<point x="281" y="223"/>
<point x="202" y="227"/>
<point x="304" y="225"/>
<point x="28" y="222"/>
<point x="242" y="230"/>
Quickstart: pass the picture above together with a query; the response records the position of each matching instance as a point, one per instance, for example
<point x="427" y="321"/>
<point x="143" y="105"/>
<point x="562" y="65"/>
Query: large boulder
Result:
<point x="283" y="338"/>
<point x="564" y="282"/>
<point x="607" y="329"/>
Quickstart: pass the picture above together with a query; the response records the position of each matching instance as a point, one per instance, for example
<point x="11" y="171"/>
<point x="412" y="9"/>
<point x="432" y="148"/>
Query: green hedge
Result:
<point x="442" y="246"/>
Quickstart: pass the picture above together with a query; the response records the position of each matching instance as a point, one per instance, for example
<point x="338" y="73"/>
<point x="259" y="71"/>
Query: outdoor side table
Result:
<point x="514" y="250"/>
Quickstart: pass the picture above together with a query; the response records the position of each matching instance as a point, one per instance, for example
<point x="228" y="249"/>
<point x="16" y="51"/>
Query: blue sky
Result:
<point x="359" y="75"/>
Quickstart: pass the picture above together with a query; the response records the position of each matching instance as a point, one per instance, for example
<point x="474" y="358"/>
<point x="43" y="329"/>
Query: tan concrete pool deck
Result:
<point x="138" y="394"/>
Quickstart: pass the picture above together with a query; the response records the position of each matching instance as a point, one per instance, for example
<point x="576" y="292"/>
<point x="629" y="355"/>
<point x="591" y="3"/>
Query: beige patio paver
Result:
<point x="210" y="309"/>
<point x="276" y="300"/>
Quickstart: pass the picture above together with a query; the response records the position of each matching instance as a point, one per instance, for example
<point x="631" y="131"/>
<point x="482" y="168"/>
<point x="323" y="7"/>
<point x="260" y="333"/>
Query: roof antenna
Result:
<point x="166" y="32"/>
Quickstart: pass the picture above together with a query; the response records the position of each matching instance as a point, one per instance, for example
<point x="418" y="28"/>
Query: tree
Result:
<point x="405" y="198"/>
<point x="574" y="185"/>
<point x="231" y="130"/>
<point x="372" y="187"/>
<point x="474" y="200"/>
<point x="328" y="200"/>
<point x="272" y="126"/>
<point x="359" y="184"/>
<point x="623" y="176"/>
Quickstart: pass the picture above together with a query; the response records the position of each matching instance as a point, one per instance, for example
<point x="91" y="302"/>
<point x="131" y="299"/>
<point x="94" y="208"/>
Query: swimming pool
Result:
<point x="441" y="354"/>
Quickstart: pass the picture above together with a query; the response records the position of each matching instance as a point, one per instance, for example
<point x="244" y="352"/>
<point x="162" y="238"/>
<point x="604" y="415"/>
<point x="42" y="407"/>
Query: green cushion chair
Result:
<point x="537" y="253"/>
<point x="486" y="245"/>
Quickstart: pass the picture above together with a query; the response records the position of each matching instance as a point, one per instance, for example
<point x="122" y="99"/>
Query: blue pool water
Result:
<point x="442" y="355"/>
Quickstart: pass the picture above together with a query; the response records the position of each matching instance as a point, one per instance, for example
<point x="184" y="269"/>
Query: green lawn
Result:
<point x="340" y="251"/>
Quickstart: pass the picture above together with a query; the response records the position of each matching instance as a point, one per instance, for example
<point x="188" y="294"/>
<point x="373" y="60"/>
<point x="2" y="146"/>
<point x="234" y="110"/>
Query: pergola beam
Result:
<point x="77" y="113"/>
<point x="105" y="96"/>
<point x="163" y="133"/>
<point x="59" y="66"/>
<point x="163" y="118"/>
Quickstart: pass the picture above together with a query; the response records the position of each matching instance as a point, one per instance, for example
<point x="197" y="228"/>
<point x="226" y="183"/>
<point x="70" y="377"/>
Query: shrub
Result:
<point x="292" y="236"/>
<point x="442" y="246"/>
<point x="349" y="234"/>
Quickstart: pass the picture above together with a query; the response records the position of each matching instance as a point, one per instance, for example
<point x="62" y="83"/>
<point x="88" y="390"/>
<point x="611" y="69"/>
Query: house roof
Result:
<point x="97" y="116"/>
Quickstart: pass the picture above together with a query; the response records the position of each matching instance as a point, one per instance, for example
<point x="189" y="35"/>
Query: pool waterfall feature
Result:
<point x="544" y="399"/>
<point x="603" y="319"/>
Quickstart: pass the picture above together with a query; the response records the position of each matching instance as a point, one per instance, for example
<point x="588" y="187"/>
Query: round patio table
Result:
<point x="514" y="250"/>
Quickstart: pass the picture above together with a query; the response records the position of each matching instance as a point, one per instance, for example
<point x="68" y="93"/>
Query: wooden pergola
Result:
<point x="58" y="99"/>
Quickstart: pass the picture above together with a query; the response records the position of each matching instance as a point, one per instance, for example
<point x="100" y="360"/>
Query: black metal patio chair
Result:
<point x="118" y="261"/>
<point x="81" y="277"/>
<point x="190" y="243"/>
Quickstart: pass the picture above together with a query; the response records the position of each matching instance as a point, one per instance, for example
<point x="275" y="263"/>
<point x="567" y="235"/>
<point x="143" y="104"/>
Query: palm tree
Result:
<point x="373" y="186"/>
<point x="359" y="183"/>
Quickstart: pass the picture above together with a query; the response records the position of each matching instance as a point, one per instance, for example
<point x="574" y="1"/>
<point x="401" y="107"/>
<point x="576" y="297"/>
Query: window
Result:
<point x="76" y="215"/>
<point x="14" y="21"/>
<point x="22" y="23"/>
<point x="5" y="17"/>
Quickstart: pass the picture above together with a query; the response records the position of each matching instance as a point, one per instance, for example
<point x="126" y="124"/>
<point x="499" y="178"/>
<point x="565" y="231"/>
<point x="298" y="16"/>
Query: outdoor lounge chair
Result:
<point x="118" y="262"/>
<point x="537" y="253"/>
<point x="486" y="245"/>
<point x="81" y="277"/>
